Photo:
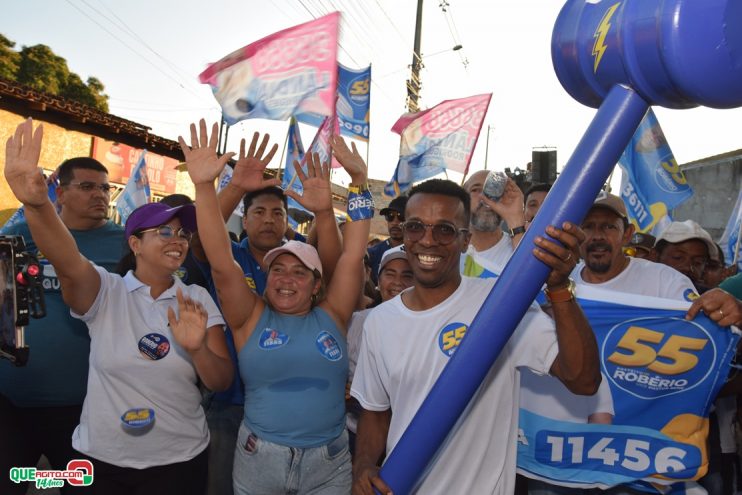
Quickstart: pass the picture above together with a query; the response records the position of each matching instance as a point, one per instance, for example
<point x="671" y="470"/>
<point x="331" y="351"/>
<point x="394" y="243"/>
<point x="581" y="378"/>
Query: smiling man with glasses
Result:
<point x="408" y="340"/>
<point x="42" y="401"/>
<point x="394" y="215"/>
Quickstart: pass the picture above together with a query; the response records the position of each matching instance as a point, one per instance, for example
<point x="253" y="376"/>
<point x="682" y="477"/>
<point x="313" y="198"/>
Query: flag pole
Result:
<point x="736" y="247"/>
<point x="283" y="150"/>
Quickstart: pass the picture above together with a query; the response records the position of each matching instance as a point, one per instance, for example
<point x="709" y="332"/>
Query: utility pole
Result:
<point x="487" y="148"/>
<point x="413" y="83"/>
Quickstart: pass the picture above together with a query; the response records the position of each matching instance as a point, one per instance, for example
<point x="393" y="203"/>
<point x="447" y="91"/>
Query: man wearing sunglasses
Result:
<point x="394" y="215"/>
<point x="40" y="403"/>
<point x="408" y="340"/>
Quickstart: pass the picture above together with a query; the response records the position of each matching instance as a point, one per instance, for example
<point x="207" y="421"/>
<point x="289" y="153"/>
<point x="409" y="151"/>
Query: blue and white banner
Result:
<point x="136" y="193"/>
<point x="294" y="153"/>
<point x="225" y="177"/>
<point x="730" y="239"/>
<point x="353" y="103"/>
<point x="664" y="373"/>
<point x="652" y="183"/>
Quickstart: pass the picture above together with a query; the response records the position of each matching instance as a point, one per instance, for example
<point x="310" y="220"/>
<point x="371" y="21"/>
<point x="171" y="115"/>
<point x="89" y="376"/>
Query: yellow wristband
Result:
<point x="352" y="188"/>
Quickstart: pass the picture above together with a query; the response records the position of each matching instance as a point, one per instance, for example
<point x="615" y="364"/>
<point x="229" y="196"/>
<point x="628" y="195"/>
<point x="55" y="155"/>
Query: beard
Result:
<point x="484" y="219"/>
<point x="598" y="266"/>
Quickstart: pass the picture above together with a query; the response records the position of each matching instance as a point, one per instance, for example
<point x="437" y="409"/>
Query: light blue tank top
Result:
<point x="294" y="369"/>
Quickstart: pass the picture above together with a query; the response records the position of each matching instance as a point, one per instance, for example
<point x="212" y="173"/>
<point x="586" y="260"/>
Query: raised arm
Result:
<point x="348" y="277"/>
<point x="79" y="281"/>
<point x="317" y="198"/>
<point x="577" y="364"/>
<point x="510" y="208"/>
<point x="237" y="300"/>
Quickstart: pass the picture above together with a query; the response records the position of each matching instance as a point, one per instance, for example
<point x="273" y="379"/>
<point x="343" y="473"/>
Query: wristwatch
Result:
<point x="517" y="230"/>
<point x="357" y="189"/>
<point x="562" y="294"/>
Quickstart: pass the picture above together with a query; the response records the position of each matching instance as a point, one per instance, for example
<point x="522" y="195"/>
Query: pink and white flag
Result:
<point x="289" y="72"/>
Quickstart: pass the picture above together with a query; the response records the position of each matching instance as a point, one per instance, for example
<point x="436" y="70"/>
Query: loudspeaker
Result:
<point x="543" y="166"/>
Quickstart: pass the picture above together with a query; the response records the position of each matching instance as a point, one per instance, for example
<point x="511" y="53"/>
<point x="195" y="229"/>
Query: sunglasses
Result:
<point x="391" y="215"/>
<point x="443" y="233"/>
<point x="166" y="232"/>
<point x="90" y="186"/>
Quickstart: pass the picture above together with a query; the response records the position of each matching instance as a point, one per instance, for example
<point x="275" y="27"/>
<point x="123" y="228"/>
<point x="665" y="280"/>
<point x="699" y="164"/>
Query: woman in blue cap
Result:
<point x="152" y="339"/>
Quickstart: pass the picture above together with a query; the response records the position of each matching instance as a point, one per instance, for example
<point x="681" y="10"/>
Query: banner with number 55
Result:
<point x="664" y="373"/>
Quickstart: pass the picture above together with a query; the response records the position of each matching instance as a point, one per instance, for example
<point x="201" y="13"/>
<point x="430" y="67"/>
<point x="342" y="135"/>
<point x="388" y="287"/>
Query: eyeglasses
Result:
<point x="443" y="233"/>
<point x="90" y="186"/>
<point x="166" y="232"/>
<point x="391" y="215"/>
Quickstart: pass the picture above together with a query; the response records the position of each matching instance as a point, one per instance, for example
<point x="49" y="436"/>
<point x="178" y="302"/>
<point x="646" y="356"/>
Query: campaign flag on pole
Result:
<point x="294" y="152"/>
<point x="440" y="138"/>
<point x="225" y="177"/>
<point x="353" y="103"/>
<point x="19" y="216"/>
<point x="730" y="239"/>
<point x="136" y="193"/>
<point x="663" y="372"/>
<point x="653" y="183"/>
<point x="290" y="72"/>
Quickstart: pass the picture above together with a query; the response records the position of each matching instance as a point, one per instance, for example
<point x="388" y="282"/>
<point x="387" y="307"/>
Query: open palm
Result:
<point x="316" y="183"/>
<point x="22" y="151"/>
<point x="248" y="171"/>
<point x="204" y="166"/>
<point x="189" y="329"/>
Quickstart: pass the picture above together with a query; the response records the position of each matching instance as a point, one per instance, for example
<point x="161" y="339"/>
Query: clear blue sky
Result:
<point x="149" y="53"/>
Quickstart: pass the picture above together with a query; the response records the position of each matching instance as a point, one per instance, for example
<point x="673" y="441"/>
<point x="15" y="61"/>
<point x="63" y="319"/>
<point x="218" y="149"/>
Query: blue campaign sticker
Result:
<point x="653" y="357"/>
<point x="328" y="346"/>
<point x="690" y="295"/>
<point x="272" y="339"/>
<point x="450" y="337"/>
<point x="139" y="417"/>
<point x="154" y="345"/>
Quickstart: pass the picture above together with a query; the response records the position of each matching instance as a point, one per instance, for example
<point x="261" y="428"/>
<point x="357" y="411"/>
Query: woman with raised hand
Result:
<point x="291" y="342"/>
<point x="152" y="339"/>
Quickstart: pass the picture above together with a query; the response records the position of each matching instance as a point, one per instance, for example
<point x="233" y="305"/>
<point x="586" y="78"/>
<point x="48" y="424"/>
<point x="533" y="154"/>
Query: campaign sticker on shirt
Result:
<point x="182" y="273"/>
<point x="690" y="295"/>
<point x="272" y="339"/>
<point x="450" y="337"/>
<point x="329" y="347"/>
<point x="139" y="417"/>
<point x="154" y="345"/>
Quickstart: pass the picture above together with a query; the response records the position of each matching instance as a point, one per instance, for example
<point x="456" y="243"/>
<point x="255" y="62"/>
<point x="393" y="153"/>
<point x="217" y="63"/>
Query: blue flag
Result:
<point x="653" y="183"/>
<point x="730" y="238"/>
<point x="294" y="152"/>
<point x="136" y="193"/>
<point x="353" y="104"/>
<point x="663" y="374"/>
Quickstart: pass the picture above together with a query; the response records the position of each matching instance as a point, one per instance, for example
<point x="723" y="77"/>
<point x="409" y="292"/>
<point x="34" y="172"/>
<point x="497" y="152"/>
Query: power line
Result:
<point x="138" y="54"/>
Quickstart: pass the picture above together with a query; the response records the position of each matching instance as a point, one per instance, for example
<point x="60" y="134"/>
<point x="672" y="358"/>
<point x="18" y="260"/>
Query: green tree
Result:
<point x="43" y="70"/>
<point x="9" y="59"/>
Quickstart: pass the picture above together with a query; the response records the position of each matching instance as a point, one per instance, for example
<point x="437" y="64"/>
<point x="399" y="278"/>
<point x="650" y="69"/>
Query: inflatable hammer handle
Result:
<point x="569" y="200"/>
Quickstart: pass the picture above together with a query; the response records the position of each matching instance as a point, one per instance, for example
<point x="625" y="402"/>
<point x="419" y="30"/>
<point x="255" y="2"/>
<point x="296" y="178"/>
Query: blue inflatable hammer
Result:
<point x="620" y="57"/>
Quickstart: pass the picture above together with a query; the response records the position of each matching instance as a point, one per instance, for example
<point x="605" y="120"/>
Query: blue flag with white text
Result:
<point x="294" y="152"/>
<point x="730" y="238"/>
<point x="653" y="184"/>
<point x="136" y="193"/>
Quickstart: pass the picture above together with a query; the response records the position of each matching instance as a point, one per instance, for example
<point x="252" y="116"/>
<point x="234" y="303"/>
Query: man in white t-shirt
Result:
<point x="487" y="240"/>
<point x="408" y="340"/>
<point x="605" y="266"/>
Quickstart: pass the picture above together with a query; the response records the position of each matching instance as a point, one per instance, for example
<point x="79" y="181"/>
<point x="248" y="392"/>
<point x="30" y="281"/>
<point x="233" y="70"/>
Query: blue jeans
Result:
<point x="224" y="421"/>
<point x="265" y="468"/>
